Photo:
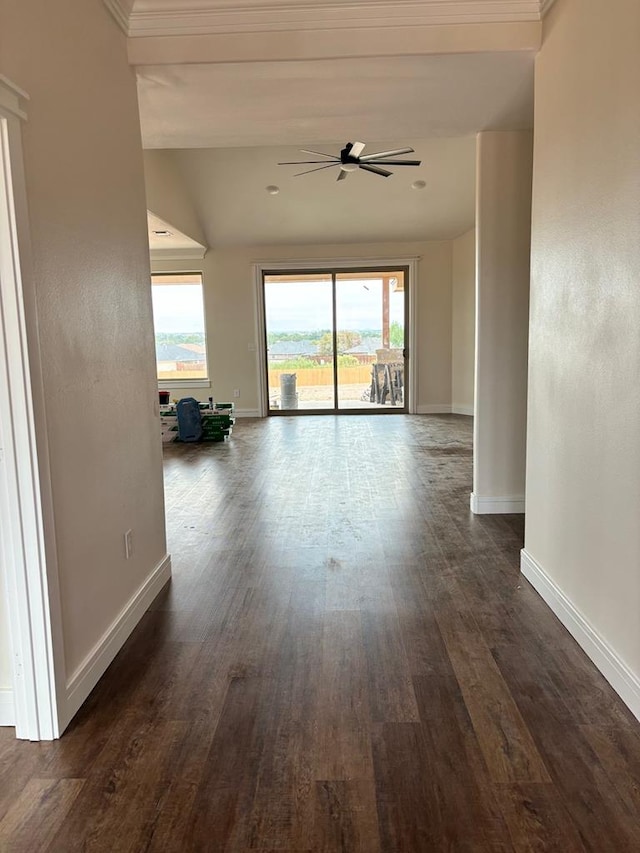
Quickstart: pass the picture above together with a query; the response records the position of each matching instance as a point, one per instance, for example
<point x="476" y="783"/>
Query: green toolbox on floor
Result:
<point x="217" y="422"/>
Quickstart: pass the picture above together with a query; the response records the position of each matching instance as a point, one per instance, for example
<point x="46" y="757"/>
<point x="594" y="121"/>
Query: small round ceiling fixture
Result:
<point x="418" y="185"/>
<point x="349" y="167"/>
<point x="272" y="189"/>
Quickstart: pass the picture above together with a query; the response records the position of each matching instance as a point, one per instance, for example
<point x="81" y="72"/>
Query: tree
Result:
<point x="396" y="334"/>
<point x="345" y="341"/>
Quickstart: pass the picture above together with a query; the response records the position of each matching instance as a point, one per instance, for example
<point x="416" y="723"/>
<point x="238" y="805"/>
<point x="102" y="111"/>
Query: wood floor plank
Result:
<point x="117" y="806"/>
<point x="345" y="817"/>
<point x="537" y="819"/>
<point x="31" y="823"/>
<point x="507" y="745"/>
<point x="468" y="811"/>
<point x="346" y="659"/>
<point x="229" y="774"/>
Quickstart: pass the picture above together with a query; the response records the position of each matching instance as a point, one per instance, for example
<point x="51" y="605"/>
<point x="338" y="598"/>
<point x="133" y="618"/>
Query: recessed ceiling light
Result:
<point x="162" y="233"/>
<point x="418" y="185"/>
<point x="272" y="190"/>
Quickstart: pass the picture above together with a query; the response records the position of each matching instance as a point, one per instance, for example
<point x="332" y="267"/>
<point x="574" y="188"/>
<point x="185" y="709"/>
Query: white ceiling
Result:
<point x="308" y="102"/>
<point x="228" y="189"/>
<point x="239" y="118"/>
<point x="173" y="241"/>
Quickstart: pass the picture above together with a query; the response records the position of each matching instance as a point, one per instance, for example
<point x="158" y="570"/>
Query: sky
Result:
<point x="306" y="306"/>
<point x="290" y="306"/>
<point x="178" y="308"/>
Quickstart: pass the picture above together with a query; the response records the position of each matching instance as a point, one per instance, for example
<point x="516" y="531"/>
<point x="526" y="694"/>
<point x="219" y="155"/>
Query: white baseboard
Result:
<point x="7" y="709"/>
<point x="87" y="675"/>
<point x="247" y="413"/>
<point x="461" y="409"/>
<point x="434" y="409"/>
<point x="623" y="680"/>
<point x="501" y="505"/>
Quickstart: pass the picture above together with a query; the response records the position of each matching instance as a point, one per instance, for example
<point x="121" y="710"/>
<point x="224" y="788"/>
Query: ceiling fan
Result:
<point x="351" y="159"/>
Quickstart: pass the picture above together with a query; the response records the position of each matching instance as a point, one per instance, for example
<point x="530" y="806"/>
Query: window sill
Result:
<point x="185" y="383"/>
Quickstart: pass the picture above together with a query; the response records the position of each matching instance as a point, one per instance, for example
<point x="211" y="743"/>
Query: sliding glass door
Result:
<point x="335" y="341"/>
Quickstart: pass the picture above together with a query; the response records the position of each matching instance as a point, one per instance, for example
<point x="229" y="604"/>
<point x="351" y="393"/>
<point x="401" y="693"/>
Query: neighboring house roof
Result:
<point x="305" y="347"/>
<point x="176" y="352"/>
<point x="199" y="348"/>
<point x="367" y="346"/>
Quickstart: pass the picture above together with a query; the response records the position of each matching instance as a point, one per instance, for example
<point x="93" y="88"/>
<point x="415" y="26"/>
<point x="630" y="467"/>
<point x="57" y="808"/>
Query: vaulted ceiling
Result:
<point x="252" y="74"/>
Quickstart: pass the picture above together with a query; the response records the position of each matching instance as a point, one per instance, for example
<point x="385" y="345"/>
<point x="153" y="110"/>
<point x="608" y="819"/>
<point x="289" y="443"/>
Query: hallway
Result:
<point x="345" y="660"/>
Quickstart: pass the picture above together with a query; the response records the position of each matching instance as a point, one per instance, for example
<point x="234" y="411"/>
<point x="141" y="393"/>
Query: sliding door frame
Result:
<point x="335" y="267"/>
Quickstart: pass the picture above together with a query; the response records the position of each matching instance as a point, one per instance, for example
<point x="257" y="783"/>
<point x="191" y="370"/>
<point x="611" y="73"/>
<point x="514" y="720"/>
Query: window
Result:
<point x="178" y="317"/>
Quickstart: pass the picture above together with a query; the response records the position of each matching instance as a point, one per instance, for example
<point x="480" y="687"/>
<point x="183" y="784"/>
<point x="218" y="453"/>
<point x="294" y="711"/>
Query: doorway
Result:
<point x="335" y="340"/>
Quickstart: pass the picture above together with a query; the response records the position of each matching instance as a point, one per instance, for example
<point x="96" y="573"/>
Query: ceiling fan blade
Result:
<point x="385" y="154"/>
<point x="305" y="162"/>
<point x="375" y="170"/>
<point x="356" y="149"/>
<point x="343" y="175"/>
<point x="320" y="154"/>
<point x="394" y="162"/>
<point x="308" y="172"/>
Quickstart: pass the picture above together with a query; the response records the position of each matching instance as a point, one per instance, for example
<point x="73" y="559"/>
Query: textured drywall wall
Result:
<point x="583" y="472"/>
<point x="463" y="322"/>
<point x="86" y="196"/>
<point x="503" y="223"/>
<point x="167" y="196"/>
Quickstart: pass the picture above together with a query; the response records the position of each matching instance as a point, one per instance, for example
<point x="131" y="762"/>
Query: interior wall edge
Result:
<point x="621" y="677"/>
<point x="87" y="675"/>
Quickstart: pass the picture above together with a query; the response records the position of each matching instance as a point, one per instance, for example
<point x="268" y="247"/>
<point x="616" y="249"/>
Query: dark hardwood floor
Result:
<point x="345" y="660"/>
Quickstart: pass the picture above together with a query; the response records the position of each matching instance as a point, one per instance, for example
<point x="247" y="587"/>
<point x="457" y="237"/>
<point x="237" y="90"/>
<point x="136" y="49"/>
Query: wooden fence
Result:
<point x="307" y="376"/>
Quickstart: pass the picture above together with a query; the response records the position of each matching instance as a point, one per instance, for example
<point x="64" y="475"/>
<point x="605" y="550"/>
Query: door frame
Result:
<point x="338" y="265"/>
<point x="27" y="537"/>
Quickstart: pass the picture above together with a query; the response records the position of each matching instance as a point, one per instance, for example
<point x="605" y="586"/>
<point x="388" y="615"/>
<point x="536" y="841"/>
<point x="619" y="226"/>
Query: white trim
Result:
<point x="87" y="675"/>
<point x="247" y="413"/>
<point x="28" y="543"/>
<point x="7" y="707"/>
<point x="262" y="266"/>
<point x="192" y="253"/>
<point x="285" y="264"/>
<point x="434" y="409"/>
<point x="291" y="15"/>
<point x="11" y="98"/>
<point x="545" y="5"/>
<point x="164" y="384"/>
<point x="462" y="409"/>
<point x="259" y="318"/>
<point x="624" y="681"/>
<point x="501" y="505"/>
<point x="121" y="10"/>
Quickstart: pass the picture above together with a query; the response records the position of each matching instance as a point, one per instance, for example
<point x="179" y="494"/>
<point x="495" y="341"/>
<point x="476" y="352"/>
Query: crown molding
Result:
<point x="194" y="253"/>
<point x="292" y="15"/>
<point x="121" y="12"/>
<point x="545" y="5"/>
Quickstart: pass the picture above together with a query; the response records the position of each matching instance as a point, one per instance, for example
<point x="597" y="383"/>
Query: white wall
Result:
<point x="230" y="312"/>
<point x="463" y="323"/>
<point x="86" y="199"/>
<point x="167" y="196"/>
<point x="6" y="679"/>
<point x="503" y="222"/>
<point x="583" y="472"/>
